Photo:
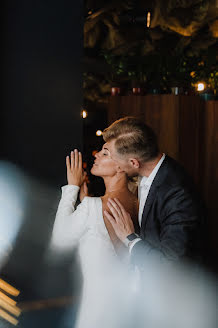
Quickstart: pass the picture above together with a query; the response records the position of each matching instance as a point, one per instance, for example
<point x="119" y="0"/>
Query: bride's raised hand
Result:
<point x="75" y="172"/>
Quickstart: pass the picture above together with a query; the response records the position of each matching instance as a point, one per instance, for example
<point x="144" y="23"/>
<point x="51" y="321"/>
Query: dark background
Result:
<point x="42" y="93"/>
<point x="41" y="122"/>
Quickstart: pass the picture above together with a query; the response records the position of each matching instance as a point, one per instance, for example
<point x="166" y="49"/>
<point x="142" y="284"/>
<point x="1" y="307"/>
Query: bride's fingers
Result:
<point x="72" y="160"/>
<point x="80" y="161"/>
<point x="75" y="158"/>
<point x="68" y="163"/>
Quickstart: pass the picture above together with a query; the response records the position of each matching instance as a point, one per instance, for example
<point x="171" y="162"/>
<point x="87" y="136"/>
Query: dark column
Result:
<point x="40" y="123"/>
<point x="42" y="49"/>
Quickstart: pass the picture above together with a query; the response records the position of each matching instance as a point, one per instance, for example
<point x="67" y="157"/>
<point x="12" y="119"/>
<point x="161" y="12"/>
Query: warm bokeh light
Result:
<point x="8" y="304"/>
<point x="84" y="113"/>
<point x="148" y="19"/>
<point x="8" y="288"/>
<point x="94" y="152"/>
<point x="8" y="317"/>
<point x="200" y="86"/>
<point x="7" y="299"/>
<point x="115" y="91"/>
<point x="84" y="165"/>
<point x="98" y="133"/>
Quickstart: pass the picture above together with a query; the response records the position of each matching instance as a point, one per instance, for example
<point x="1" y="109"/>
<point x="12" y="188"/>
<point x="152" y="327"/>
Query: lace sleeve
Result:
<point x="70" y="224"/>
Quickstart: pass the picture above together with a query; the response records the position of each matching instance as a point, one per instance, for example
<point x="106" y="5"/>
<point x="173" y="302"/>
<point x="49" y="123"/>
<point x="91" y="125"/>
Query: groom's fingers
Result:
<point x="115" y="215"/>
<point x="121" y="208"/>
<point x="115" y="206"/>
<point x="110" y="218"/>
<point x="113" y="210"/>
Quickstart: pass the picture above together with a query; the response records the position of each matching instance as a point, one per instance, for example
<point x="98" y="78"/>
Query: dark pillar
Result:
<point x="42" y="49"/>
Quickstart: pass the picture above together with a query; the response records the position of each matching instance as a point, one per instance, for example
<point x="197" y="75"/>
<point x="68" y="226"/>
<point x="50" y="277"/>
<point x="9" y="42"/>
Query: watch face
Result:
<point x="131" y="237"/>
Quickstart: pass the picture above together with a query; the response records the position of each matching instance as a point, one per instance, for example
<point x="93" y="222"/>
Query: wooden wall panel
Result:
<point x="168" y="134"/>
<point x="210" y="154"/>
<point x="210" y="173"/>
<point x="190" y="135"/>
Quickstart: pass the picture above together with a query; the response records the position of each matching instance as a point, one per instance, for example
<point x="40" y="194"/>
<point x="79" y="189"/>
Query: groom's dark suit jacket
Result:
<point x="172" y="218"/>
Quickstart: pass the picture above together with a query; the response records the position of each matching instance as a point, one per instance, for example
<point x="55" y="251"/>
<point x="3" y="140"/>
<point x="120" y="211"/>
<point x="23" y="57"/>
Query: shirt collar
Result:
<point x="146" y="181"/>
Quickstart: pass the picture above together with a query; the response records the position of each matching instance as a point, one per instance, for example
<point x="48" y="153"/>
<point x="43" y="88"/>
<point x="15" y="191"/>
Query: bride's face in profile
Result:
<point x="103" y="164"/>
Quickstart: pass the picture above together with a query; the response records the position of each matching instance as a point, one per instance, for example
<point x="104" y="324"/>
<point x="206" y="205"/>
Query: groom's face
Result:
<point x="125" y="162"/>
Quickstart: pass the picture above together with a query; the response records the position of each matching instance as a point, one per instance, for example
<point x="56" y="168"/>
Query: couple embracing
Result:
<point x="163" y="222"/>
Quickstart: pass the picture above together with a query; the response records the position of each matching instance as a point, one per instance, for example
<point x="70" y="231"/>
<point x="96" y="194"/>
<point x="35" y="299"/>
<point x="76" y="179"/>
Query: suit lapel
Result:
<point x="148" y="203"/>
<point x="153" y="191"/>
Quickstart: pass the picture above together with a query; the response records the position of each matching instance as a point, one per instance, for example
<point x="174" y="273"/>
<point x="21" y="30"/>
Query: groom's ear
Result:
<point x="134" y="163"/>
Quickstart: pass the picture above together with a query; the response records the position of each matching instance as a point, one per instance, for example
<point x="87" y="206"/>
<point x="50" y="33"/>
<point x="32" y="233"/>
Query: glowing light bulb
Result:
<point x="98" y="133"/>
<point x="84" y="114"/>
<point x="200" y="86"/>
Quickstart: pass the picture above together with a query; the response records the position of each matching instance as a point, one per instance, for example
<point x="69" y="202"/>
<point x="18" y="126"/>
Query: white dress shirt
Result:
<point x="144" y="188"/>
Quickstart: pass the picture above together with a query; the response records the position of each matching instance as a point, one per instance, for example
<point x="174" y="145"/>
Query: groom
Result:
<point x="170" y="215"/>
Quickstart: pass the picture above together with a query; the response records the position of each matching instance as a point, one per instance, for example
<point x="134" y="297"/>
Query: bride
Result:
<point x="101" y="254"/>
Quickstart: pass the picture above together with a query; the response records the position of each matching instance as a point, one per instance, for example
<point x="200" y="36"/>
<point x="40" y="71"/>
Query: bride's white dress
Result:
<point x="104" y="294"/>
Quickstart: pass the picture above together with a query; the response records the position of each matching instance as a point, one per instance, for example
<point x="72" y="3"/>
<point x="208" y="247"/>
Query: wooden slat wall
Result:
<point x="209" y="152"/>
<point x="190" y="133"/>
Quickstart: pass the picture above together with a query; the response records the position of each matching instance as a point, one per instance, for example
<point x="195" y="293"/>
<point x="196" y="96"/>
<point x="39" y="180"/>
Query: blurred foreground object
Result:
<point x="12" y="209"/>
<point x="8" y="308"/>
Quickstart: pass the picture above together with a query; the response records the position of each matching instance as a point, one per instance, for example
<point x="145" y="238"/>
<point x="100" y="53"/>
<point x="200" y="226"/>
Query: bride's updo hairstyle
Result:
<point x="132" y="137"/>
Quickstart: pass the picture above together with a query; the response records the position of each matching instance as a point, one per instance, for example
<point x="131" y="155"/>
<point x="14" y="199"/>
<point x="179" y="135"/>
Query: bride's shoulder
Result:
<point x="92" y="205"/>
<point x="90" y="200"/>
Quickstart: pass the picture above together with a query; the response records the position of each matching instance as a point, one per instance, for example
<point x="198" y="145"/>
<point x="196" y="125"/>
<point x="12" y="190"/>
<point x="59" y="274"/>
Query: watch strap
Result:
<point x="130" y="238"/>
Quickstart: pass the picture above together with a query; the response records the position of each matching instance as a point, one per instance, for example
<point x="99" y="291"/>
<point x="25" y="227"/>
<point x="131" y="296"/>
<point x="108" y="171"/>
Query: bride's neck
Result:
<point x="115" y="184"/>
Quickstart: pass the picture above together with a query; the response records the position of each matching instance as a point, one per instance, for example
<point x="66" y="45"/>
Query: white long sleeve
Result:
<point x="70" y="224"/>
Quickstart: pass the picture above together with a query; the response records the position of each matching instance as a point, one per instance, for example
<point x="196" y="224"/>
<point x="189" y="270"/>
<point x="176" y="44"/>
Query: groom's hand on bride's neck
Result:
<point x="120" y="219"/>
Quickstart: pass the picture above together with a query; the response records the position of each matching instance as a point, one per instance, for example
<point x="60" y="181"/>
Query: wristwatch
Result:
<point x="130" y="238"/>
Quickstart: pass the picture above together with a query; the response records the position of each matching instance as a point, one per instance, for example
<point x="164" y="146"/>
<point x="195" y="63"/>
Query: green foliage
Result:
<point x="179" y="49"/>
<point x="162" y="70"/>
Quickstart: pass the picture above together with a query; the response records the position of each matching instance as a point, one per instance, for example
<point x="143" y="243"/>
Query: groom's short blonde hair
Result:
<point x="132" y="137"/>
